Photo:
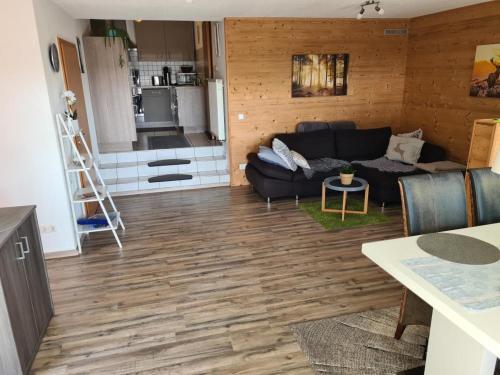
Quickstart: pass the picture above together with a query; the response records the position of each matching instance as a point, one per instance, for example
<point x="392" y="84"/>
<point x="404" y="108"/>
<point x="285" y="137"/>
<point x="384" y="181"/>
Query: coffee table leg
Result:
<point x="323" y="197"/>
<point x="344" y="203"/>
<point x="367" y="191"/>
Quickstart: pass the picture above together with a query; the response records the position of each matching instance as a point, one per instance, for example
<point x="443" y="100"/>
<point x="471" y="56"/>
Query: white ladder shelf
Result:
<point x="95" y="192"/>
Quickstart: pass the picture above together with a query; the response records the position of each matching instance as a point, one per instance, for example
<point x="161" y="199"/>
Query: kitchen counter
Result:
<point x="10" y="219"/>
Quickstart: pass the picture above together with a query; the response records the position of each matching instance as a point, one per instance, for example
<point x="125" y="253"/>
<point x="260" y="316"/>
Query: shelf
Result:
<point x="77" y="196"/>
<point x="115" y="216"/>
<point x="76" y="167"/>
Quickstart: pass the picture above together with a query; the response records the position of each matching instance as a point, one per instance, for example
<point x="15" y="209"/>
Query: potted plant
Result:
<point x="346" y="175"/>
<point x="71" y="113"/>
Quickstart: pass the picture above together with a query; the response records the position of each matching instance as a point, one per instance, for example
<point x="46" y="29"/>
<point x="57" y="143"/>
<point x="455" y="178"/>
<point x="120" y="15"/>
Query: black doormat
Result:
<point x="166" y="162"/>
<point x="170" y="177"/>
<point x="167" y="141"/>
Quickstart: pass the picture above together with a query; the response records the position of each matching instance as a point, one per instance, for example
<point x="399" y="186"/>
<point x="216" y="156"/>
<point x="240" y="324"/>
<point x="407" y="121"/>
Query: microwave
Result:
<point x="187" y="78"/>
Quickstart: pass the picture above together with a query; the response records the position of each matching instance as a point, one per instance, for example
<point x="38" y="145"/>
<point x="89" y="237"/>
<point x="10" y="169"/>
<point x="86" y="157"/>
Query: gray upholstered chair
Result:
<point x="431" y="203"/>
<point x="485" y="194"/>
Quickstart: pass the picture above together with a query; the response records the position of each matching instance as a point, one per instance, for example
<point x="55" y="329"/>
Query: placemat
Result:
<point x="458" y="248"/>
<point x="476" y="287"/>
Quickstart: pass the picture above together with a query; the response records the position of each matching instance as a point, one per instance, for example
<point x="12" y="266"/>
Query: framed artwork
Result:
<point x="485" y="80"/>
<point x="319" y="75"/>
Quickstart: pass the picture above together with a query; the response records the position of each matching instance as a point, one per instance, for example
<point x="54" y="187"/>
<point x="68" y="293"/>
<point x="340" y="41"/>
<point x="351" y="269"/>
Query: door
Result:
<point x="36" y="273"/>
<point x="70" y="64"/>
<point x="17" y="298"/>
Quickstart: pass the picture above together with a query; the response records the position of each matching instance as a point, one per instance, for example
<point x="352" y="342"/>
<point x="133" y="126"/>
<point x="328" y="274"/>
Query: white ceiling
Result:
<point x="213" y="10"/>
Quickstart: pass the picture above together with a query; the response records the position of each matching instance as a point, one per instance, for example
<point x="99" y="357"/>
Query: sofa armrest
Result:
<point x="270" y="170"/>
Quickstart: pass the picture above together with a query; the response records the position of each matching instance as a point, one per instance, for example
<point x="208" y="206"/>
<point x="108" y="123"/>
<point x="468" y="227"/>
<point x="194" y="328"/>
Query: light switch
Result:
<point x="243" y="166"/>
<point x="241" y="116"/>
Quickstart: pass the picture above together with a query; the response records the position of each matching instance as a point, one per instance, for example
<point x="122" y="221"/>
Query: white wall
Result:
<point x="31" y="169"/>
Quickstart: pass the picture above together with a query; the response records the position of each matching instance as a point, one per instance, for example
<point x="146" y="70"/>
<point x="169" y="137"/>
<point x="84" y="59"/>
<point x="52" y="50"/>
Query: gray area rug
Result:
<point x="361" y="344"/>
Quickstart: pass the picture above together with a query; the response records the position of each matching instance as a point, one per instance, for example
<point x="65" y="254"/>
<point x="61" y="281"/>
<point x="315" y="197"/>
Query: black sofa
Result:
<point x="272" y="181"/>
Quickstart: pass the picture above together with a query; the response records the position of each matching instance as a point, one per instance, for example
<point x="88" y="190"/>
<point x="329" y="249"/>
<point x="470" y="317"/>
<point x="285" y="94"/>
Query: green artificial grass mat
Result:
<point x="333" y="220"/>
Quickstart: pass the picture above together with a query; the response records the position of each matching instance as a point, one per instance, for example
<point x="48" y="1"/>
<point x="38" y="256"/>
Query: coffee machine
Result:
<point x="166" y="76"/>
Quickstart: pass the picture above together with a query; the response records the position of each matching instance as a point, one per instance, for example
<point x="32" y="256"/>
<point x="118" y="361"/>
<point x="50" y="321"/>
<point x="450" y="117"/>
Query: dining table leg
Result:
<point x="452" y="351"/>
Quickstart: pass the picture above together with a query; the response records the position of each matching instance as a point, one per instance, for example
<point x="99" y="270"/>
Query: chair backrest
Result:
<point x="433" y="202"/>
<point x="485" y="193"/>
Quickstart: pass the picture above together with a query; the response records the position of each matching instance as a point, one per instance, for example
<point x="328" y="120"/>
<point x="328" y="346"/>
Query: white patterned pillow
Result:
<point x="284" y="153"/>
<point x="404" y="149"/>
<point x="300" y="160"/>
<point x="419" y="133"/>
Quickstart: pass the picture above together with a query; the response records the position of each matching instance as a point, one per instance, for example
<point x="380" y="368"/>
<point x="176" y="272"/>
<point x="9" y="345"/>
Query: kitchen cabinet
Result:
<point x="108" y="73"/>
<point x="25" y="301"/>
<point x="165" y="40"/>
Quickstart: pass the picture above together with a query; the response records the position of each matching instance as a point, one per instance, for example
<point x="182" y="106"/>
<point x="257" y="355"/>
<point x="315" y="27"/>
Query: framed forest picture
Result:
<point x="319" y="75"/>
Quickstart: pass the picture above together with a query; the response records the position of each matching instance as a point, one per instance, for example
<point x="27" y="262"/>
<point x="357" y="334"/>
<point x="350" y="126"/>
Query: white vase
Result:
<point x="75" y="127"/>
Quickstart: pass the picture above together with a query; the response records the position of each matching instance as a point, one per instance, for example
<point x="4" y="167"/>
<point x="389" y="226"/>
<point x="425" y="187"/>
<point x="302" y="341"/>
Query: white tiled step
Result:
<point x="130" y="184"/>
<point x="151" y="155"/>
<point x="139" y="169"/>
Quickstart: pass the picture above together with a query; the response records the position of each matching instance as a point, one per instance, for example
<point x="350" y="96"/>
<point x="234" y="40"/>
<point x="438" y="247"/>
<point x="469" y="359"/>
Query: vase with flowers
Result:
<point x="71" y="112"/>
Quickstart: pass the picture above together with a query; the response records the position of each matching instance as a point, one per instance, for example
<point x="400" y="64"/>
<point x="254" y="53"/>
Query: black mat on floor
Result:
<point x="164" y="162"/>
<point x="167" y="141"/>
<point x="170" y="177"/>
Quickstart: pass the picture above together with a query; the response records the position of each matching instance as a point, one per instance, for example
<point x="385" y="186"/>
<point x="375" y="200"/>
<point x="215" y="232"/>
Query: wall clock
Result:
<point x="54" y="57"/>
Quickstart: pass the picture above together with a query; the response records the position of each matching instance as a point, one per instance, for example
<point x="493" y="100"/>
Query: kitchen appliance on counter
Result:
<point x="157" y="81"/>
<point x="186" y="79"/>
<point x="166" y="76"/>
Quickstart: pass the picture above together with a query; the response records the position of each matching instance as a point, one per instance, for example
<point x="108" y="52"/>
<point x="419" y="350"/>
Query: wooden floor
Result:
<point x="207" y="282"/>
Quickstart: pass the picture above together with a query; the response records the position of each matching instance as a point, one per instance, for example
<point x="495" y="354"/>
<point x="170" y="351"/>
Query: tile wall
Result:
<point x="154" y="68"/>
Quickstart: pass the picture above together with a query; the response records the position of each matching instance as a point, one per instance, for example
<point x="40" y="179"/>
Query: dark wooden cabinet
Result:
<point x="25" y="301"/>
<point x="165" y="40"/>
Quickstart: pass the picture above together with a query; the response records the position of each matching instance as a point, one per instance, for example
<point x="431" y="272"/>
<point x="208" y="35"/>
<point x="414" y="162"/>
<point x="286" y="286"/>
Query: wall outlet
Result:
<point x="47" y="228"/>
<point x="241" y="116"/>
<point x="243" y="166"/>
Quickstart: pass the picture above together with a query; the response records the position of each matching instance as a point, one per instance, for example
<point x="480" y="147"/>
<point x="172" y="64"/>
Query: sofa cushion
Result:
<point x="362" y="144"/>
<point x="431" y="153"/>
<point x="404" y="149"/>
<point x="284" y="153"/>
<point x="267" y="155"/>
<point x="270" y="170"/>
<point x="311" y="145"/>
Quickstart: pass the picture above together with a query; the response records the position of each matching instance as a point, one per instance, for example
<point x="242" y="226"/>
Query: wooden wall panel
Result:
<point x="441" y="52"/>
<point x="259" y="65"/>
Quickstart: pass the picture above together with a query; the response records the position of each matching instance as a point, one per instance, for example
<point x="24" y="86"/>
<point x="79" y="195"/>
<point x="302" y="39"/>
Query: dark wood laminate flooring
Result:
<point x="207" y="282"/>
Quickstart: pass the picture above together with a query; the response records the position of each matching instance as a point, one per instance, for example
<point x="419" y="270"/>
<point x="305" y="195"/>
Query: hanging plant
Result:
<point x="112" y="33"/>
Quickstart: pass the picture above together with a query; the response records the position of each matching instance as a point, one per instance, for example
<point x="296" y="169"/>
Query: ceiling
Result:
<point x="213" y="10"/>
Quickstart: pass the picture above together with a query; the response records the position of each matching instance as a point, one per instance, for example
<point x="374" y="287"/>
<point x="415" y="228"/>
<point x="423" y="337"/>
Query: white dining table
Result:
<point x="461" y="341"/>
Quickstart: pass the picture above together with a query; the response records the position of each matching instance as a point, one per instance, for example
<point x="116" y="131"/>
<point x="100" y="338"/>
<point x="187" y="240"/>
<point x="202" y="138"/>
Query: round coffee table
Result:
<point x="333" y="183"/>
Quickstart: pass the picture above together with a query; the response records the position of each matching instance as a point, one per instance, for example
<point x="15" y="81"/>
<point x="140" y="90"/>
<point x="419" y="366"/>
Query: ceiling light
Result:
<point x="360" y="14"/>
<point x="376" y="3"/>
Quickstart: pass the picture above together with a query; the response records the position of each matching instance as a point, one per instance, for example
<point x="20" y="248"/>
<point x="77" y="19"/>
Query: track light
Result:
<point x="360" y="14"/>
<point x="378" y="8"/>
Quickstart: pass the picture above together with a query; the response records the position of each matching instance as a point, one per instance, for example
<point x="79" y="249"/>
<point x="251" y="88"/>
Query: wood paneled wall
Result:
<point x="259" y="66"/>
<point x="441" y="53"/>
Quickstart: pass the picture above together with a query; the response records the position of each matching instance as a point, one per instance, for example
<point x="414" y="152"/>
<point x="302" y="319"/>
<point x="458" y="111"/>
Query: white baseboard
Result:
<point x="61" y="254"/>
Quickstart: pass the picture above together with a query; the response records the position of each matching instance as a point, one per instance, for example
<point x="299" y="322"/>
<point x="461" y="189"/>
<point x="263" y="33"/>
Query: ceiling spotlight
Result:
<point x="376" y="3"/>
<point x="360" y="14"/>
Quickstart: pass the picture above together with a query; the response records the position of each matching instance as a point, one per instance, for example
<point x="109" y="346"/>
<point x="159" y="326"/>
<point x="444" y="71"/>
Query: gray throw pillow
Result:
<point x="267" y="155"/>
<point x="284" y="153"/>
<point x="404" y="149"/>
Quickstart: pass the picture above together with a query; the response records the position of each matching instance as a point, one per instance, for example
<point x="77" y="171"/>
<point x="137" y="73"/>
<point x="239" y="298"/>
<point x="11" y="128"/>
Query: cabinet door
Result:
<point x="36" y="273"/>
<point x="17" y="298"/>
<point x="179" y="39"/>
<point x="107" y="67"/>
<point x="150" y="40"/>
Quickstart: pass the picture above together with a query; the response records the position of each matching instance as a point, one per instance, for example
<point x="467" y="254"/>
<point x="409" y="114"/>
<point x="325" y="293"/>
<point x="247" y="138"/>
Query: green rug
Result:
<point x="333" y="221"/>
